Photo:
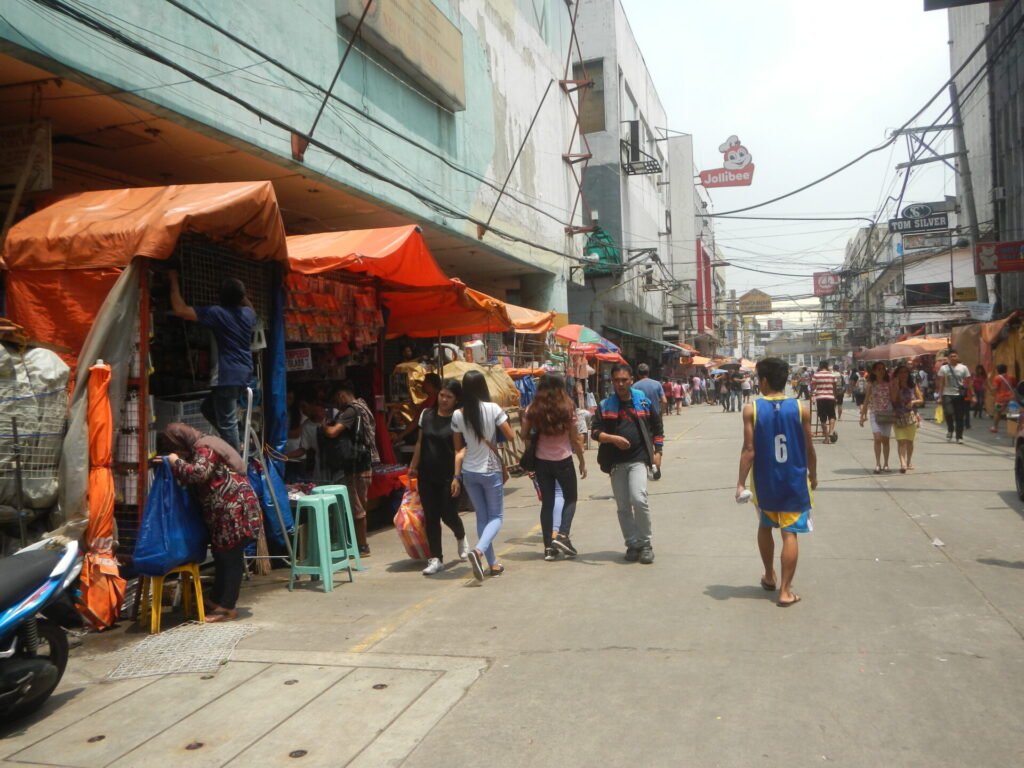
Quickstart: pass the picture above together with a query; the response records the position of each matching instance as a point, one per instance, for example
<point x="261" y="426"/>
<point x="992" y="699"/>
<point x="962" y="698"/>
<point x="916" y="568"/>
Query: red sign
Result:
<point x="825" y="283"/>
<point x="998" y="257"/>
<point x="737" y="167"/>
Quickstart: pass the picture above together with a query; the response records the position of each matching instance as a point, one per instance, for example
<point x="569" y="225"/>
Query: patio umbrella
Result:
<point x="585" y="339"/>
<point x="717" y="371"/>
<point x="102" y="585"/>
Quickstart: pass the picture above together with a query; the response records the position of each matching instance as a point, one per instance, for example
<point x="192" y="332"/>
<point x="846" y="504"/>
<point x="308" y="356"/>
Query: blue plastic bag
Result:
<point x="259" y="481"/>
<point x="172" y="532"/>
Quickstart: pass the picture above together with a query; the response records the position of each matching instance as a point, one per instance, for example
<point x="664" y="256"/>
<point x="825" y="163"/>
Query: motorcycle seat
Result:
<point x="23" y="573"/>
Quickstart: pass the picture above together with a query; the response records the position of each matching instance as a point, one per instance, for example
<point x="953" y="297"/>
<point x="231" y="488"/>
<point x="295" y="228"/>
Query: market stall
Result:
<point x="108" y="266"/>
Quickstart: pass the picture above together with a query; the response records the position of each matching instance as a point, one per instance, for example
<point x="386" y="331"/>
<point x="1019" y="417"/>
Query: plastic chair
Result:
<point x="153" y="591"/>
<point x="321" y="559"/>
<point x="348" y="532"/>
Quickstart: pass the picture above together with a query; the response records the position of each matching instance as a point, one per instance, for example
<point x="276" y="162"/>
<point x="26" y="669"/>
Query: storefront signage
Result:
<point x="15" y="145"/>
<point x="999" y="257"/>
<point x="922" y="224"/>
<point x="300" y="359"/>
<point x="980" y="310"/>
<point x="737" y="166"/>
<point x="965" y="294"/>
<point x="928" y="294"/>
<point x="825" y="283"/>
<point x="755" y="302"/>
<point x="927" y="240"/>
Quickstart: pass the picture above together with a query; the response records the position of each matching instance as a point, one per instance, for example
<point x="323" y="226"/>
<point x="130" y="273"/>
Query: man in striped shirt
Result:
<point x="823" y="387"/>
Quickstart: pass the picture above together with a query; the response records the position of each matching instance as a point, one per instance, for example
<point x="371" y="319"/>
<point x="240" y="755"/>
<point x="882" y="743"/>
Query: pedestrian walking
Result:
<point x="1003" y="388"/>
<point x="878" y="404"/>
<point x="670" y="398"/>
<point x="479" y="468"/>
<point x="723" y="393"/>
<point x="954" y="378"/>
<point x="778" y="457"/>
<point x="231" y="510"/>
<point x="906" y="397"/>
<point x="745" y="388"/>
<point x="736" y="390"/>
<point x="980" y="384"/>
<point x="858" y="386"/>
<point x="433" y="468"/>
<point x="232" y="322"/>
<point x="551" y="420"/>
<point x="631" y="436"/>
<point x="680" y="395"/>
<point x="823" y="385"/>
<point x="840" y="393"/>
<point x="651" y="388"/>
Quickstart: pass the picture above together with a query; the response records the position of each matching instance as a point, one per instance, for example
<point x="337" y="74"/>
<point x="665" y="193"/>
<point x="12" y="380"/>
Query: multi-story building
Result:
<point x="448" y="115"/>
<point x="624" y="186"/>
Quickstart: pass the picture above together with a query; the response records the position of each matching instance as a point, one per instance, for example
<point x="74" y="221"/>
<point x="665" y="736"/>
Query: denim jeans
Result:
<point x="220" y="408"/>
<point x="629" y="486"/>
<point x="487" y="493"/>
<point x="551" y="474"/>
<point x="954" y="409"/>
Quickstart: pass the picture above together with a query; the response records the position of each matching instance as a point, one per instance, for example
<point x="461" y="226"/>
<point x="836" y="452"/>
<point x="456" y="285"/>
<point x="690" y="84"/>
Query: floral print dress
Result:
<point x="230" y="507"/>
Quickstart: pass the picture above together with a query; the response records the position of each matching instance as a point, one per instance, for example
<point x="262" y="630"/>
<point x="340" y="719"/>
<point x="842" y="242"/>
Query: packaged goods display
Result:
<point x="325" y="311"/>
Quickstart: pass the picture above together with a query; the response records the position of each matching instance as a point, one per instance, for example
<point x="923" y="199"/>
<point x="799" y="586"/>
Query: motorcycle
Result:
<point x="36" y="585"/>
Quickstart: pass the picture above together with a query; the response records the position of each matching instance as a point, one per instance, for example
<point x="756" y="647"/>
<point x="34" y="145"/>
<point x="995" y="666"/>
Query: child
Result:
<point x="777" y="445"/>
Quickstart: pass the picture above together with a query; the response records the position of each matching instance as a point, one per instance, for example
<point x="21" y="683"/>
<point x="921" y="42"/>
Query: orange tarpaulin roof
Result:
<point x="397" y="255"/>
<point x="102" y="230"/>
<point x="529" y="320"/>
<point x="698" y="360"/>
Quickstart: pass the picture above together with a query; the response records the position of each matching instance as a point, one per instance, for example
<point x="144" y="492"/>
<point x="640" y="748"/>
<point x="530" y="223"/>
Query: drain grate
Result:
<point x="190" y="647"/>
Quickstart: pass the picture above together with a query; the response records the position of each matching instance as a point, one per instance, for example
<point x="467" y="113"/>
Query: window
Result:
<point x="590" y="101"/>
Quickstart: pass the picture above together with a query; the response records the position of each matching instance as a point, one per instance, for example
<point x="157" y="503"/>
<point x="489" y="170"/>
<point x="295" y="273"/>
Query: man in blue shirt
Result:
<point x="655" y="392"/>
<point x="232" y="323"/>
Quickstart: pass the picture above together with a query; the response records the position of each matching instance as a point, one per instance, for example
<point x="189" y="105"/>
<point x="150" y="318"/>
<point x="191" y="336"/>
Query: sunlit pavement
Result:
<point x="905" y="651"/>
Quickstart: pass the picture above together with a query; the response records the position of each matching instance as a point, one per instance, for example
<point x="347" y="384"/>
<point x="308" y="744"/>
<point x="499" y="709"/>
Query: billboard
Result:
<point x="825" y="283"/>
<point x="928" y="294"/>
<point x="999" y="257"/>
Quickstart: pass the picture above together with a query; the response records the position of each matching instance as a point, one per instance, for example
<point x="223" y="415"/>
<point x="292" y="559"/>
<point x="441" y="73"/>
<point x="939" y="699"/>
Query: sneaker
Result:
<point x="476" y="561"/>
<point x="632" y="554"/>
<point x="463" y="549"/>
<point x="949" y="438"/>
<point x="647" y="555"/>
<point x="433" y="566"/>
<point x="959" y="441"/>
<point x="561" y="541"/>
<point x="550" y="554"/>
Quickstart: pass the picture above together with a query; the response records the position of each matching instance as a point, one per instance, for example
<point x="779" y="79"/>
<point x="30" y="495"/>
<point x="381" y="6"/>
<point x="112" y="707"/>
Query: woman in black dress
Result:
<point x="433" y="467"/>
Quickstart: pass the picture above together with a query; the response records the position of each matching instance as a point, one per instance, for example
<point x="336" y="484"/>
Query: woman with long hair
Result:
<point x="980" y="383"/>
<point x="878" y="403"/>
<point x="551" y="418"/>
<point x="231" y="510"/>
<point x="906" y="397"/>
<point x="433" y="468"/>
<point x="479" y="468"/>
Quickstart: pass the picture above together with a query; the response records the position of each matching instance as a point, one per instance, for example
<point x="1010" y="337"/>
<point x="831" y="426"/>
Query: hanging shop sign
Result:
<point x="300" y="359"/>
<point x="923" y="224"/>
<point x="755" y="302"/>
<point x="999" y="257"/>
<point x="928" y="294"/>
<point x="965" y="294"/>
<point x="981" y="310"/>
<point x="927" y="241"/>
<point x="825" y="283"/>
<point x="737" y="166"/>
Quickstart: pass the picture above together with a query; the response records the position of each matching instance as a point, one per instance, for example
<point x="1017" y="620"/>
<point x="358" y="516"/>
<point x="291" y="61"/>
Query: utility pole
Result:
<point x="960" y="145"/>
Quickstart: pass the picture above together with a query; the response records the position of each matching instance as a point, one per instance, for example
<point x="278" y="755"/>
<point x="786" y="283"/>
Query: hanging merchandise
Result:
<point x="325" y="311"/>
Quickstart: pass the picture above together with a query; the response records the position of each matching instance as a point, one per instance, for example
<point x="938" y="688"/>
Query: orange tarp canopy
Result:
<point x="396" y="255"/>
<point x="103" y="230"/>
<point x="529" y="320"/>
<point x="698" y="360"/>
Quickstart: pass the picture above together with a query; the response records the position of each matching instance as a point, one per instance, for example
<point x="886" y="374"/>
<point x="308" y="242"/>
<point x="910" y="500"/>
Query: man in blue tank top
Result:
<point x="779" y="449"/>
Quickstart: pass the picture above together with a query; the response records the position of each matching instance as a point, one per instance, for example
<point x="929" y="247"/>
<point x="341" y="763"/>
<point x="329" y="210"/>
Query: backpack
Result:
<point x="349" y="451"/>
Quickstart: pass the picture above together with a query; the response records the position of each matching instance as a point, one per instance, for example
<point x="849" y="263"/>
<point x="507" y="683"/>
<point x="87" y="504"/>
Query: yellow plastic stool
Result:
<point x="153" y="591"/>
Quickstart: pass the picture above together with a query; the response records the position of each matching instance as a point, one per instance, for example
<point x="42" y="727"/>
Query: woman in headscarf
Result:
<point x="230" y="507"/>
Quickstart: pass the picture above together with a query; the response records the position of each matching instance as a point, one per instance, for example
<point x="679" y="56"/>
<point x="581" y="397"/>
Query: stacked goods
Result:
<point x="324" y="311"/>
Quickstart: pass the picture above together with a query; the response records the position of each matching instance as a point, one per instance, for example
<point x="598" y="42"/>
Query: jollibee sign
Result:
<point x="737" y="166"/>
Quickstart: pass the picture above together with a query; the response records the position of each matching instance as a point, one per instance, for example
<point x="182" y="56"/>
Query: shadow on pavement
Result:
<point x="730" y="592"/>
<point x="1001" y="563"/>
<point x="1012" y="500"/>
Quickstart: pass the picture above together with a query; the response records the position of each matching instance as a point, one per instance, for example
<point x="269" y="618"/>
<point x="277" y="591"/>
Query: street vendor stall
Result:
<point x="89" y="273"/>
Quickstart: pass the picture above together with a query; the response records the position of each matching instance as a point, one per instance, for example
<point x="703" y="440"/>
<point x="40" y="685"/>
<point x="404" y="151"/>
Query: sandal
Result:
<point x="497" y="569"/>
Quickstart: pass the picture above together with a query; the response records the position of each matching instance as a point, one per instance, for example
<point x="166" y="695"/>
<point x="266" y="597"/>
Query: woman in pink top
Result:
<point x="552" y="419"/>
<point x="679" y="395"/>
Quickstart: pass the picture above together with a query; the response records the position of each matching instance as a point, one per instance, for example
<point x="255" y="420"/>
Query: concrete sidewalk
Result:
<point x="906" y="650"/>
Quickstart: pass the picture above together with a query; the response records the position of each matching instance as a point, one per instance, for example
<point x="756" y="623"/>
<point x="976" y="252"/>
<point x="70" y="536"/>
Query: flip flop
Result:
<point x="767" y="586"/>
<point x="497" y="570"/>
<point x="796" y="599"/>
<point x="878" y="470"/>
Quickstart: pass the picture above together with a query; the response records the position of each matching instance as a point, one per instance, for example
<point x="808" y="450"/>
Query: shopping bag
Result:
<point x="172" y="531"/>
<point x="411" y="527"/>
<point x="940" y="415"/>
<point x="260" y="480"/>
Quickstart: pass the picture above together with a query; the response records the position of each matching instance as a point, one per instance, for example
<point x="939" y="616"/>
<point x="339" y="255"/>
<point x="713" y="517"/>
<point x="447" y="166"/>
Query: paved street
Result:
<point x="906" y="650"/>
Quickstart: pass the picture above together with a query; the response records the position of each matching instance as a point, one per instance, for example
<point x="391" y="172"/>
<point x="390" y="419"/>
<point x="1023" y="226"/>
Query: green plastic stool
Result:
<point x="320" y="560"/>
<point x="348" y="538"/>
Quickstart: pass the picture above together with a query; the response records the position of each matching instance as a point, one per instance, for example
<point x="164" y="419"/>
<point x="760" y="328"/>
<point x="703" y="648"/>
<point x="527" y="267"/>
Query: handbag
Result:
<point x="528" y="460"/>
<point x="172" y="531"/>
<point x="908" y="419"/>
<point x="411" y="526"/>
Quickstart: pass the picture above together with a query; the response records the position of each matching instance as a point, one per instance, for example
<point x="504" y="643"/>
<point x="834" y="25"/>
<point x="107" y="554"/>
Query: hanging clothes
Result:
<point x="527" y="390"/>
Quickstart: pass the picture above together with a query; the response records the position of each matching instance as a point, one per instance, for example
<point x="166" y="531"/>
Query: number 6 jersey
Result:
<point x="779" y="478"/>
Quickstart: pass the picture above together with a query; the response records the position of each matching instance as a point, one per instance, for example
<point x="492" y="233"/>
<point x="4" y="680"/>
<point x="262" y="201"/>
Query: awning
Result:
<point x="698" y="360"/>
<point x="667" y="344"/>
<point x="527" y="321"/>
<point x="104" y="230"/>
<point x="398" y="256"/>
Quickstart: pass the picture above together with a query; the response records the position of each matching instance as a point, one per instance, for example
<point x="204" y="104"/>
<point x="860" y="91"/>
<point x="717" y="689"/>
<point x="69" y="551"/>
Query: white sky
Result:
<point x="807" y="85"/>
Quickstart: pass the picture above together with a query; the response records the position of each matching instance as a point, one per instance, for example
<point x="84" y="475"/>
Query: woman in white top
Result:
<point x="478" y="466"/>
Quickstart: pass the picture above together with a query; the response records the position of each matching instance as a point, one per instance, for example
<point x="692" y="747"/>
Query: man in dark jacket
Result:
<point x="631" y="436"/>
